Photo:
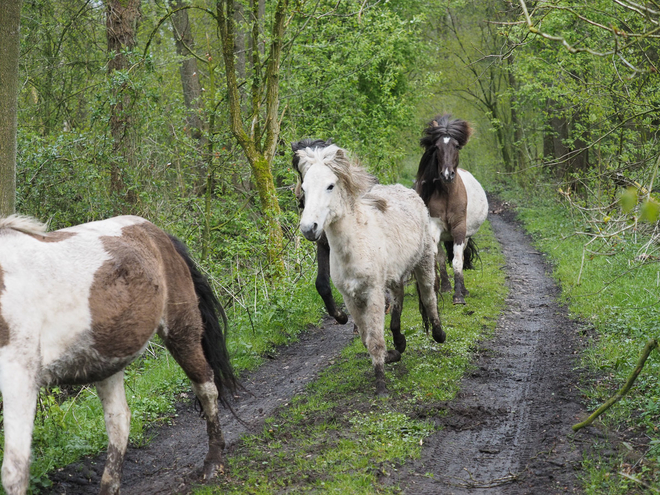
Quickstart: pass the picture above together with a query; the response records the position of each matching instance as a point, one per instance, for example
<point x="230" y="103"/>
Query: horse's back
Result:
<point x="86" y="298"/>
<point x="477" y="202"/>
<point x="402" y="225"/>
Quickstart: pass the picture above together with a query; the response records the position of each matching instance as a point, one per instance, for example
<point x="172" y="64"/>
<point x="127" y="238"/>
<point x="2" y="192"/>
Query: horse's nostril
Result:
<point x="315" y="226"/>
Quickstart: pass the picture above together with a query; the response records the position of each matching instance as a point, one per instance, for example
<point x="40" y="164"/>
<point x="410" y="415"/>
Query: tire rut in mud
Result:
<point x="172" y="462"/>
<point x="509" y="429"/>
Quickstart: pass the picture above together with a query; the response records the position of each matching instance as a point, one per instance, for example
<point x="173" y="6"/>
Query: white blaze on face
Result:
<point x="446" y="140"/>
<point x="319" y="187"/>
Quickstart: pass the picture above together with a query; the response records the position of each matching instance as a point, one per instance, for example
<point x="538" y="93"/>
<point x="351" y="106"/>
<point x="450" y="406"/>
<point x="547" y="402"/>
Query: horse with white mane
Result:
<point x="78" y="305"/>
<point x="378" y="235"/>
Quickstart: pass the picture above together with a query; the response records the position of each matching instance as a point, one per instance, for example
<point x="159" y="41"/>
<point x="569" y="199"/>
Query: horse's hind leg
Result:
<point x="395" y="325"/>
<point x="186" y="348"/>
<point x="19" y="397"/>
<point x="425" y="275"/>
<point x="118" y="425"/>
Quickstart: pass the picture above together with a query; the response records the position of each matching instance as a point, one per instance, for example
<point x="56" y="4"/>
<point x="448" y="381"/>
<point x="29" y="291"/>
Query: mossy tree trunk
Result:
<point x="258" y="138"/>
<point x="10" y="15"/>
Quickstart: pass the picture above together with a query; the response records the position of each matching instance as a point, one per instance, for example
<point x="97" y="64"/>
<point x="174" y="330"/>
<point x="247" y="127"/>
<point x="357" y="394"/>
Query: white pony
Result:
<point x="378" y="235"/>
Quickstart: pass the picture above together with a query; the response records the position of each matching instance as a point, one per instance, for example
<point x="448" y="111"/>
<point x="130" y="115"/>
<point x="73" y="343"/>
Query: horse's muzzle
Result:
<point x="312" y="232"/>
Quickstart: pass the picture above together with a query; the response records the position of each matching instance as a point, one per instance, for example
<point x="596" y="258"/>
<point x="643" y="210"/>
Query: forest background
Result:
<point x="182" y="112"/>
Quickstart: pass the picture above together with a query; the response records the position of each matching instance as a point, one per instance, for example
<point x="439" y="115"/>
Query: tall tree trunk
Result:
<point x="10" y="16"/>
<point x="185" y="43"/>
<point x="259" y="141"/>
<point x="122" y="18"/>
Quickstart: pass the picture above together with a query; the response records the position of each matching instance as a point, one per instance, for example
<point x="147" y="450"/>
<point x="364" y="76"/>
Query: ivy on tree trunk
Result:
<point x="10" y="15"/>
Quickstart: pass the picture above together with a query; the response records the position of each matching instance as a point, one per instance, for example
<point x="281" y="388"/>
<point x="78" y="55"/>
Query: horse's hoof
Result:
<point x="459" y="300"/>
<point x="341" y="318"/>
<point x="439" y="335"/>
<point x="401" y="344"/>
<point x="356" y="330"/>
<point x="211" y="470"/>
<point x="393" y="356"/>
<point x="381" y="390"/>
<point x="445" y="288"/>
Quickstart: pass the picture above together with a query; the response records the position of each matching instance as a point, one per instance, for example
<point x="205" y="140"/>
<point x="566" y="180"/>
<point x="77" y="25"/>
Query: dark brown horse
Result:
<point x="455" y="199"/>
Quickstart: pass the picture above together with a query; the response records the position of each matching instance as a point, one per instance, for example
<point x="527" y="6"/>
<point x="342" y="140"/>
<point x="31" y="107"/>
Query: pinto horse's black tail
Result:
<point x="215" y="327"/>
<point x="470" y="254"/>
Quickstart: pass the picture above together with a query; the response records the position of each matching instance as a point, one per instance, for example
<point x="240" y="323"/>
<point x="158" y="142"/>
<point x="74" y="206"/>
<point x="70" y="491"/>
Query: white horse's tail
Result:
<point x="22" y="223"/>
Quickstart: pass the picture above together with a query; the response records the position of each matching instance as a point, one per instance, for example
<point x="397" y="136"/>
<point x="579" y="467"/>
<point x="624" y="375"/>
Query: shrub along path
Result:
<point x="507" y="431"/>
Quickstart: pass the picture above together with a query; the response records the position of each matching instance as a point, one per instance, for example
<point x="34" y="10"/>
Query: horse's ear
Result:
<point x="328" y="142"/>
<point x="340" y="154"/>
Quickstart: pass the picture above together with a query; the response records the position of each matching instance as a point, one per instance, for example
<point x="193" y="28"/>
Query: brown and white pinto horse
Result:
<point x="455" y="199"/>
<point x="79" y="304"/>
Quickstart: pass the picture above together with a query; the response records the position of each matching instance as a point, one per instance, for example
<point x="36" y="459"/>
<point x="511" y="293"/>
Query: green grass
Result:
<point x="617" y="296"/>
<point x="338" y="437"/>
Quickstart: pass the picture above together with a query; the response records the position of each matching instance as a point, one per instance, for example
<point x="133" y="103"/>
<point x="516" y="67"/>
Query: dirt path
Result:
<point x="172" y="462"/>
<point x="508" y="431"/>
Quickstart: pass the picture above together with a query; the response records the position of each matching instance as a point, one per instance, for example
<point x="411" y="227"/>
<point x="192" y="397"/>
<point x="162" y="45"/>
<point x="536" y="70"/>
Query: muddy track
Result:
<point x="507" y="432"/>
<point x="509" y="429"/>
<point x="172" y="461"/>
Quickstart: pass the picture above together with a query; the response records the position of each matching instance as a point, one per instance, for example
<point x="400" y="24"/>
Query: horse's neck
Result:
<point x="344" y="233"/>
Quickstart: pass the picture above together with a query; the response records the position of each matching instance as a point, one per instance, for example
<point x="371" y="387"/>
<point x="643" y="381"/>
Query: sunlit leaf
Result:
<point x="650" y="210"/>
<point x="628" y="200"/>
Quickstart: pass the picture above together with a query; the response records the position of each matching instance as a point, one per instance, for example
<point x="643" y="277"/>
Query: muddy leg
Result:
<point x="207" y="393"/>
<point x="187" y="351"/>
<point x="118" y="426"/>
<point x="370" y="318"/>
<point x="425" y="275"/>
<point x="459" y="286"/>
<point x="323" y="281"/>
<point x="445" y="284"/>
<point x="395" y="326"/>
<point x="19" y="396"/>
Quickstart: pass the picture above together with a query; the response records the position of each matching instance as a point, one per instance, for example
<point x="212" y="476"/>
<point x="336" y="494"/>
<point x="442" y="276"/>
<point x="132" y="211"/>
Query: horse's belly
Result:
<point x="83" y="364"/>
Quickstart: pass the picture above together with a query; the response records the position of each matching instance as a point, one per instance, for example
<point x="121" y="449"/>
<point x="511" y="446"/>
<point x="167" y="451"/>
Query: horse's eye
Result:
<point x="331" y="187"/>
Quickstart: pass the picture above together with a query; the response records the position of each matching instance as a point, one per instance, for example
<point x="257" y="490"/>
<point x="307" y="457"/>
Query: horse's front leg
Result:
<point x="369" y="315"/>
<point x="19" y="396"/>
<point x="118" y="425"/>
<point x="323" y="280"/>
<point x="457" y="264"/>
<point x="445" y="284"/>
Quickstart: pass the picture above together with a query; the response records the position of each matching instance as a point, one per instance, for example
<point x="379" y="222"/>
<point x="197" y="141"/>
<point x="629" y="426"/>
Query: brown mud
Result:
<point x="509" y="429"/>
<point x="507" y="432"/>
<point x="173" y="460"/>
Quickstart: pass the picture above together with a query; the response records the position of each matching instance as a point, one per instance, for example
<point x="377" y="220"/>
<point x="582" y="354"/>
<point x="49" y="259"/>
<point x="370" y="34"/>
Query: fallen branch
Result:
<point x="650" y="345"/>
